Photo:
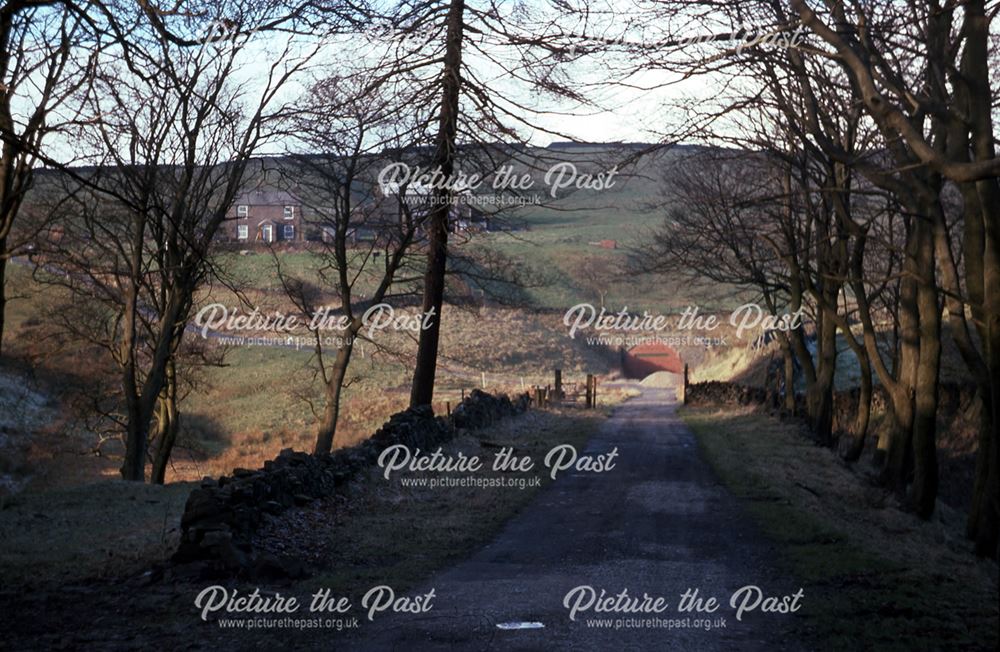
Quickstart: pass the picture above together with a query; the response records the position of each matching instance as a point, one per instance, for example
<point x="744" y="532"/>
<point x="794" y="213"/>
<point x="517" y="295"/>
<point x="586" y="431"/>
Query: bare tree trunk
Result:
<point x="821" y="393"/>
<point x="987" y="528"/>
<point x="3" y="293"/>
<point x="925" y="469"/>
<point x="987" y="524"/>
<point x="974" y="245"/>
<point x="899" y="456"/>
<point x="862" y="354"/>
<point x="157" y="473"/>
<point x="136" y="431"/>
<point x="422" y="390"/>
<point x="141" y="398"/>
<point x="892" y="428"/>
<point x="166" y="437"/>
<point x="985" y="281"/>
<point x="168" y="424"/>
<point x="788" y="357"/>
<point x="334" y="388"/>
<point x="857" y="447"/>
<point x="797" y="342"/>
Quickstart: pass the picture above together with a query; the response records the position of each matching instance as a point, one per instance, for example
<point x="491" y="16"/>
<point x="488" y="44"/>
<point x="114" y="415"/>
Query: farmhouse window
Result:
<point x="289" y="212"/>
<point x="242" y="210"/>
<point x="289" y="232"/>
<point x="242" y="231"/>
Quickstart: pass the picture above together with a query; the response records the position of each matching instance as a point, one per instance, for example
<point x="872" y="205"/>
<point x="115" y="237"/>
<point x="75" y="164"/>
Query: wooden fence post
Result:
<point x="559" y="391"/>
<point x="684" y="391"/>
<point x="590" y="396"/>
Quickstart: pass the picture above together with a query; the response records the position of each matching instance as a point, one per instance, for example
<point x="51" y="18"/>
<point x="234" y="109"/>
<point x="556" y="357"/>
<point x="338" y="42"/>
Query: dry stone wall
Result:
<point x="221" y="516"/>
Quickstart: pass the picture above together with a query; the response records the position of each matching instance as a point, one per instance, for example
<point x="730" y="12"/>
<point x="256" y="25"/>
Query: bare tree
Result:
<point x="443" y="160"/>
<point x="345" y="123"/>
<point x="935" y="109"/>
<point x="451" y="52"/>
<point x="173" y="133"/>
<point x="915" y="78"/>
<point x="46" y="49"/>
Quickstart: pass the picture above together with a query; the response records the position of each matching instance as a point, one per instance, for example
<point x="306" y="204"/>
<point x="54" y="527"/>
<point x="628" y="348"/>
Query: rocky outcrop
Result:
<point x="221" y="516"/>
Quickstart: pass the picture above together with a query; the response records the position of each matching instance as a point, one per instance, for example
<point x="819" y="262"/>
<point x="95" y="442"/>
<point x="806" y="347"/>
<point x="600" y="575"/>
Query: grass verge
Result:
<point x="106" y="529"/>
<point x="875" y="576"/>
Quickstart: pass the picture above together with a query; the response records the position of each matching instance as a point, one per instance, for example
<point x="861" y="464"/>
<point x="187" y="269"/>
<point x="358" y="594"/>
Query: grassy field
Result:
<point x="872" y="572"/>
<point x="266" y="398"/>
<point x="555" y="242"/>
<point x="560" y="240"/>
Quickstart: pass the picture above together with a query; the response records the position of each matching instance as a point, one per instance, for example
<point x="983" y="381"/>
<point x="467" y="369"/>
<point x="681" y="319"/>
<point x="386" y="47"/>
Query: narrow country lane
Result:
<point x="658" y="523"/>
